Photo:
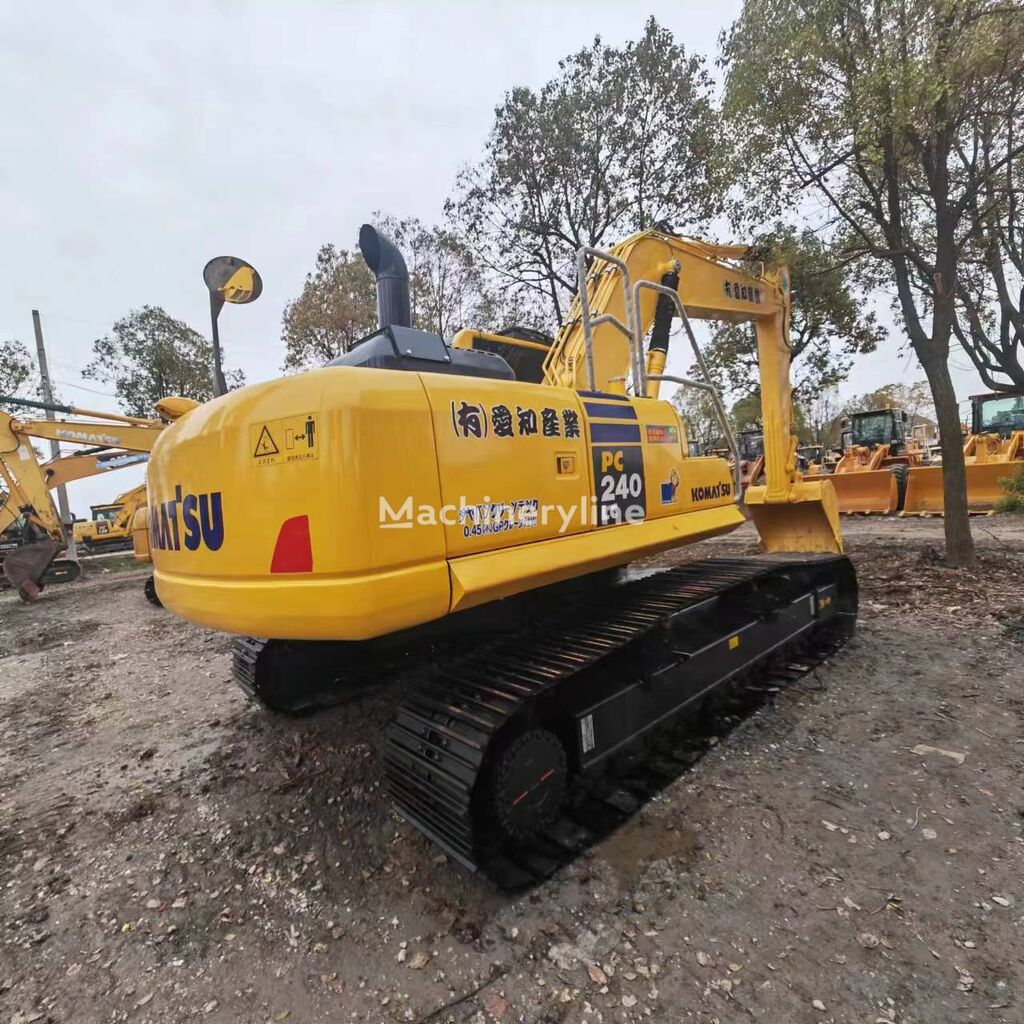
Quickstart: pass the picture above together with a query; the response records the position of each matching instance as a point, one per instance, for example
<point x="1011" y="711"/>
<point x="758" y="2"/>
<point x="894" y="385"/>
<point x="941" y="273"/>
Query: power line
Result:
<point x="82" y="387"/>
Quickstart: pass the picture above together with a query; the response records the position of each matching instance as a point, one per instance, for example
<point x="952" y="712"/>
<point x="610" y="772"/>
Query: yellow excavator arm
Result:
<point x="114" y="441"/>
<point x="600" y="349"/>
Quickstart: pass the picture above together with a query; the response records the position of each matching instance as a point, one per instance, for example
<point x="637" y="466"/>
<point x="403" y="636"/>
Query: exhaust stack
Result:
<point x="388" y="266"/>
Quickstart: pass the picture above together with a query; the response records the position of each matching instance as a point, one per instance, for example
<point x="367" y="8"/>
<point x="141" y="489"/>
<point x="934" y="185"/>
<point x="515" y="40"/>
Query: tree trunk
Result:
<point x="957" y="522"/>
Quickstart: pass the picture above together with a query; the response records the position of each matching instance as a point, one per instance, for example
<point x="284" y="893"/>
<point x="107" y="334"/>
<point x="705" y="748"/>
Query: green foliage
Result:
<point x="624" y="138"/>
<point x="149" y="355"/>
<point x="337" y="306"/>
<point x="830" y="323"/>
<point x="17" y="372"/>
<point x="746" y="413"/>
<point x="698" y="412"/>
<point x="903" y="117"/>
<point x="1014" y="487"/>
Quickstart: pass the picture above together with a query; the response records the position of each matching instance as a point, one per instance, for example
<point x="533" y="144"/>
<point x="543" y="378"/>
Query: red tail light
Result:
<point x="293" y="551"/>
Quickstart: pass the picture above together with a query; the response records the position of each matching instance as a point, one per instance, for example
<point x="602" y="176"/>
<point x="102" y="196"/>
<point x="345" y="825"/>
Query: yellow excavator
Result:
<point x="109" y="527"/>
<point x="31" y="530"/>
<point x="992" y="451"/>
<point x="485" y="494"/>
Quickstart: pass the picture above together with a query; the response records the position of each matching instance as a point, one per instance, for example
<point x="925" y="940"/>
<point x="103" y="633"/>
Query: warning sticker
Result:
<point x="290" y="439"/>
<point x="658" y="434"/>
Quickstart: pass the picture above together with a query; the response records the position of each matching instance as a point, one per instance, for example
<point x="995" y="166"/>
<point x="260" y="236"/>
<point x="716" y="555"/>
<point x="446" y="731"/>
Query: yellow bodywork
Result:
<point x="872" y="490"/>
<point x="140" y="535"/>
<point x="863" y="480"/>
<point x="347" y="503"/>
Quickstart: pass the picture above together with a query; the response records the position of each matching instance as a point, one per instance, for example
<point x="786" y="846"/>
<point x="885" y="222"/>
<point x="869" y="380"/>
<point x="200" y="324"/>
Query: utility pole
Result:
<point x="44" y="377"/>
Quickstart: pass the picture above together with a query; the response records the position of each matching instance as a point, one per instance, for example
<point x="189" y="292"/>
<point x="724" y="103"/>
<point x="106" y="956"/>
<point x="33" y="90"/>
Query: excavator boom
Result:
<point x="600" y="347"/>
<point x="113" y="441"/>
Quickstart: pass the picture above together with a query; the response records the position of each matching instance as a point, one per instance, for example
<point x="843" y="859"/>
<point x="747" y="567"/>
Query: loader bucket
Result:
<point x="984" y="483"/>
<point x="808" y="521"/>
<point x="924" y="491"/>
<point x="872" y="490"/>
<point x="925" y="494"/>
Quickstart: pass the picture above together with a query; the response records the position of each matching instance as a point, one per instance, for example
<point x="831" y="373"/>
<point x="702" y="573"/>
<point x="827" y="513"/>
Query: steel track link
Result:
<point x="441" y="737"/>
<point x="444" y="730"/>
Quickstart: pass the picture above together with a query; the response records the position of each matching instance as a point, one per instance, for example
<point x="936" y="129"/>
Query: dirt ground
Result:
<point x="170" y="852"/>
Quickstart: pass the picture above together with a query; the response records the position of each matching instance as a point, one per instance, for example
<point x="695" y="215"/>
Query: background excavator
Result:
<point x="30" y="524"/>
<point x="877" y="457"/>
<point x="60" y="470"/>
<point x="109" y="527"/>
<point x="992" y="452"/>
<point x="477" y="501"/>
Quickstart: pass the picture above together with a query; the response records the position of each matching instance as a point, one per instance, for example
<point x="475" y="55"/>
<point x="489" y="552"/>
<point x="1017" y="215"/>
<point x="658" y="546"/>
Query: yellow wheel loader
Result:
<point x="872" y="474"/>
<point x="476" y="502"/>
<point x="751" y="448"/>
<point x="992" y="451"/>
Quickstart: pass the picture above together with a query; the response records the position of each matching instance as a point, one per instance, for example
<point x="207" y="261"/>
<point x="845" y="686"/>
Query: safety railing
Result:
<point x="632" y="334"/>
<point x="589" y="322"/>
<point x="706" y="385"/>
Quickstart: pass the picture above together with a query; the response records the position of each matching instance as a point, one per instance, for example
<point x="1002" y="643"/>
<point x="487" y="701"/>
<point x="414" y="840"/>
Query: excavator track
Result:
<point x="519" y="755"/>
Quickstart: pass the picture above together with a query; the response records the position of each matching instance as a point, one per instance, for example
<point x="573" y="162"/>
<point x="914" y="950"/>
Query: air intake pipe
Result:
<point x="388" y="266"/>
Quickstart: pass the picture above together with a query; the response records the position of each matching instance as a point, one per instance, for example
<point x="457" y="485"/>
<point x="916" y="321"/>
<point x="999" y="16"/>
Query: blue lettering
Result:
<point x="165" y="528"/>
<point x="211" y="520"/>
<point x="173" y="515"/>
<point x="188" y="516"/>
<point x="202" y="521"/>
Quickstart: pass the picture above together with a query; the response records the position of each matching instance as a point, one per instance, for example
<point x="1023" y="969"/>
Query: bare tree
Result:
<point x="881" y="108"/>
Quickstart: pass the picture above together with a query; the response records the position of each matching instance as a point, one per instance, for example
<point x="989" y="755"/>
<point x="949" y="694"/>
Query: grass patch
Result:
<point x="1014" y="487"/>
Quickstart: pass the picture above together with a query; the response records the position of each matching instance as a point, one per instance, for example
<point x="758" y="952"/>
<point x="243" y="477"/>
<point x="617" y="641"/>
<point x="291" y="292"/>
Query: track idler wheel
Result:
<point x="528" y="784"/>
<point x="151" y="595"/>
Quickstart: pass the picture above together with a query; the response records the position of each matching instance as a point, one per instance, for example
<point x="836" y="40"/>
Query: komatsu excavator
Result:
<point x="28" y="516"/>
<point x="484" y="494"/>
<point x="109" y="527"/>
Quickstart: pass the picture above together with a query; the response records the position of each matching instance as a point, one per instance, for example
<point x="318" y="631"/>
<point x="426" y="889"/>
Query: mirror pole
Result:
<point x="219" y="384"/>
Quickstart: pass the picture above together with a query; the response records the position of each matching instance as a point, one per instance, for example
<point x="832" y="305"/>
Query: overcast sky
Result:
<point x="141" y="139"/>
